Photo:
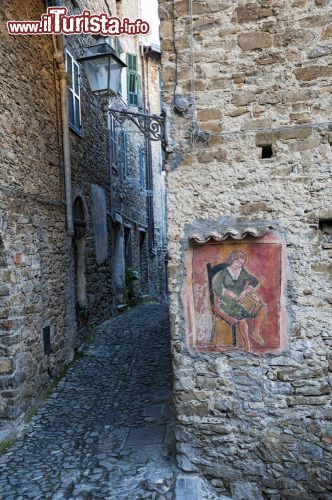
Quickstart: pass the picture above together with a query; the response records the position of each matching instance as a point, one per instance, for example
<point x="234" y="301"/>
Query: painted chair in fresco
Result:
<point x="225" y="335"/>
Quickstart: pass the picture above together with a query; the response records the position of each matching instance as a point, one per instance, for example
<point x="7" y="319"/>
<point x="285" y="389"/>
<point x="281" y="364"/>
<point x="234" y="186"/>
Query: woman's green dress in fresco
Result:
<point x="237" y="308"/>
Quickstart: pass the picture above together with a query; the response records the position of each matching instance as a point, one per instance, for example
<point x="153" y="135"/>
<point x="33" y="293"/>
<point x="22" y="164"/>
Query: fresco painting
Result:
<point x="237" y="294"/>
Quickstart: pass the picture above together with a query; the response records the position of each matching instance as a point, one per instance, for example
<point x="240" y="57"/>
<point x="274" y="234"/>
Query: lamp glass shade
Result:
<point x="103" y="68"/>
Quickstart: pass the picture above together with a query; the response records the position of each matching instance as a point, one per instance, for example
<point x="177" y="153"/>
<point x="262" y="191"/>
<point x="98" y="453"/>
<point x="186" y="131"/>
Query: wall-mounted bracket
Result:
<point x="151" y="126"/>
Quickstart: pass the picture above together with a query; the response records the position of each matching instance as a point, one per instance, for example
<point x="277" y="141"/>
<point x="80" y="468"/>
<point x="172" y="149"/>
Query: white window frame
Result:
<point x="76" y="97"/>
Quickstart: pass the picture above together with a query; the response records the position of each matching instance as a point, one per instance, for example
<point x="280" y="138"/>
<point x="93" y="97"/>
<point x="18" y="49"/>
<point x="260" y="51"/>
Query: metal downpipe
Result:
<point x="62" y="73"/>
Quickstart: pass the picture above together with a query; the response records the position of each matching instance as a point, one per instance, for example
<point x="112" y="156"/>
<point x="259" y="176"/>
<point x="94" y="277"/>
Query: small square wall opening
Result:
<point x="325" y="225"/>
<point x="267" y="151"/>
<point x="47" y="340"/>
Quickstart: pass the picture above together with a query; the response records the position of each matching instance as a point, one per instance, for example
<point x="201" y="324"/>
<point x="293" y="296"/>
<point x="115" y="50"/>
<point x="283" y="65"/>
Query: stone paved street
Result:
<point x="107" y="430"/>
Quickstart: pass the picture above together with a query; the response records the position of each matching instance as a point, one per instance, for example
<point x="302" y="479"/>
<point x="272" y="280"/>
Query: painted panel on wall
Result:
<point x="236" y="302"/>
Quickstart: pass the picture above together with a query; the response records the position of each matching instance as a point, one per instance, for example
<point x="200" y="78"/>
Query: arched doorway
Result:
<point x="80" y="223"/>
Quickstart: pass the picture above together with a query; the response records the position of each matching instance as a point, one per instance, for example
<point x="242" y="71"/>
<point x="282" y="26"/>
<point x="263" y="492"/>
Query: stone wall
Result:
<point x="33" y="214"/>
<point x="255" y="426"/>
<point x="49" y="279"/>
<point x="130" y="200"/>
<point x="90" y="175"/>
<point x="153" y="92"/>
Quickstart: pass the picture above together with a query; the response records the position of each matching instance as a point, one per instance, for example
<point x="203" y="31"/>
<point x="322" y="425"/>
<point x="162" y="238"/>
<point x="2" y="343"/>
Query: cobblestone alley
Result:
<point x="107" y="429"/>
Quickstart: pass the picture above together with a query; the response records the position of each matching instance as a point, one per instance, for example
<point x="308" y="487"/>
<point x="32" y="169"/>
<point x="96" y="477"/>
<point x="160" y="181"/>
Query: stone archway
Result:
<point x="80" y="224"/>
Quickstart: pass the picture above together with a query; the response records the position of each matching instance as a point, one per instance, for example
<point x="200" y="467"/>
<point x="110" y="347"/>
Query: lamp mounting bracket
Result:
<point x="151" y="125"/>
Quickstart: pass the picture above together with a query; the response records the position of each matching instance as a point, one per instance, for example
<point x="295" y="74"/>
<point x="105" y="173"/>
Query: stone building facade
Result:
<point x="56" y="285"/>
<point x="247" y="90"/>
<point x="138" y="196"/>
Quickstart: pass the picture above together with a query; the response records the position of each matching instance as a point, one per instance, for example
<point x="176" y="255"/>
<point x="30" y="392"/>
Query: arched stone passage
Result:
<point x="80" y="222"/>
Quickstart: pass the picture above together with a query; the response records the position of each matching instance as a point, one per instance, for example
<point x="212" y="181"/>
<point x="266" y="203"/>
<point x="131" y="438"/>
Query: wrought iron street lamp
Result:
<point x="103" y="68"/>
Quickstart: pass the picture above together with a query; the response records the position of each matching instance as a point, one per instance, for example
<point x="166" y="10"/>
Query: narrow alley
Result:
<point x="107" y="429"/>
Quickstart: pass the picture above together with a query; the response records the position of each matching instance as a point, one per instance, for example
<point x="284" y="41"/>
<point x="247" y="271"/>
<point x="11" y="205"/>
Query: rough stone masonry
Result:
<point x="53" y="284"/>
<point x="250" y="140"/>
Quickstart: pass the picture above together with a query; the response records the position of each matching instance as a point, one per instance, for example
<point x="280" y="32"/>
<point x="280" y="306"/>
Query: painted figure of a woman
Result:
<point x="236" y="299"/>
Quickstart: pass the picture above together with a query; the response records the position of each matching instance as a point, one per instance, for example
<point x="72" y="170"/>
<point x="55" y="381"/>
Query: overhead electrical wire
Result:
<point x="176" y="55"/>
<point x="192" y="74"/>
<point x="194" y="126"/>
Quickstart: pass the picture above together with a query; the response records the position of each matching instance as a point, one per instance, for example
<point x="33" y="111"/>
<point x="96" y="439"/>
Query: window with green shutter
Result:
<point x="133" y="81"/>
<point x="74" y="93"/>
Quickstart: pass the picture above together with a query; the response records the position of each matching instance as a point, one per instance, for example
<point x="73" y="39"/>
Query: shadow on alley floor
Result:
<point x="107" y="430"/>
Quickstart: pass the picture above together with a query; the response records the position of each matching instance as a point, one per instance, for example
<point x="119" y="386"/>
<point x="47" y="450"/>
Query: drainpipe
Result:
<point x="148" y="156"/>
<point x="62" y="73"/>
